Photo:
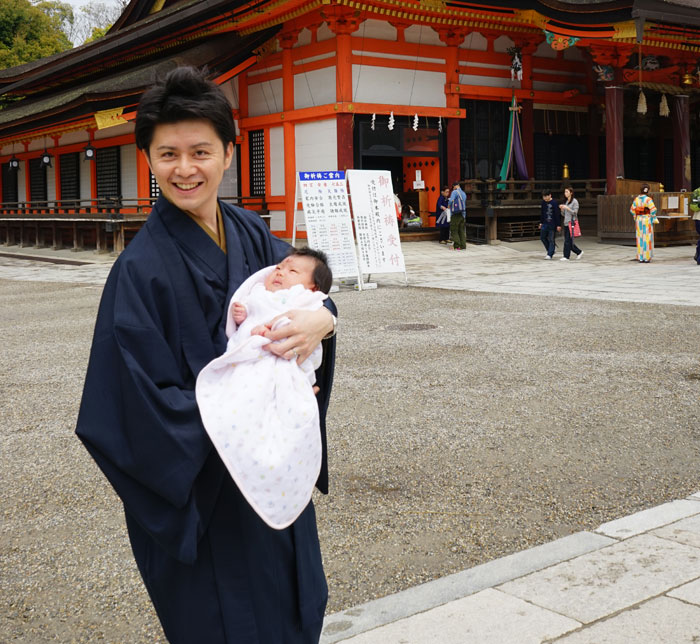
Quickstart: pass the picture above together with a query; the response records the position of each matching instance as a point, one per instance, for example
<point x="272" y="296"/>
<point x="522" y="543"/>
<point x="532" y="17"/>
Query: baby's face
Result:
<point x="292" y="270"/>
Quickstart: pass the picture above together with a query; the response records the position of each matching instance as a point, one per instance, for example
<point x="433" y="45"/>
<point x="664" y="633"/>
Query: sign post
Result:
<point x="376" y="225"/>
<point x="326" y="208"/>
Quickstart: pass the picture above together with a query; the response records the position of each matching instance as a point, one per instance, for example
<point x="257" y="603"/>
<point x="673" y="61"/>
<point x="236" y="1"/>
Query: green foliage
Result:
<point x="29" y="31"/>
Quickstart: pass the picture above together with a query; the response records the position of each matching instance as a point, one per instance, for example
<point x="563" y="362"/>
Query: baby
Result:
<point x="260" y="410"/>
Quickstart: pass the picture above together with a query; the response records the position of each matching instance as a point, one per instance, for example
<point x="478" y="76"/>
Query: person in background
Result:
<point x="570" y="212"/>
<point x="550" y="223"/>
<point x="643" y="210"/>
<point x="695" y="208"/>
<point x="458" y="222"/>
<point x="441" y="220"/>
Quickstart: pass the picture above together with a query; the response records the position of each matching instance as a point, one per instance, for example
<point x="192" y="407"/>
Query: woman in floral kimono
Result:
<point x="644" y="212"/>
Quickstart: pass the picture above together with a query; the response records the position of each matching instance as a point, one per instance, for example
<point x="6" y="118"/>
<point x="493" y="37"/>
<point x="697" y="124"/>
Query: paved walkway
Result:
<point x="636" y="579"/>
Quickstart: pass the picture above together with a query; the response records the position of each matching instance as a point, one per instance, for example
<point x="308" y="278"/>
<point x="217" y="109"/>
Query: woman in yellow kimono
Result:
<point x="644" y="212"/>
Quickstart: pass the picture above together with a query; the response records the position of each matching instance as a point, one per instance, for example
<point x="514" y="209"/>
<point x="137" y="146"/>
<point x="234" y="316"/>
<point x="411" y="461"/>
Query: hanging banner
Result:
<point x="376" y="225"/>
<point x="324" y="199"/>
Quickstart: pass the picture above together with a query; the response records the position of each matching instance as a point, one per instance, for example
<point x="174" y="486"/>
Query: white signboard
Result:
<point x="376" y="225"/>
<point x="324" y="199"/>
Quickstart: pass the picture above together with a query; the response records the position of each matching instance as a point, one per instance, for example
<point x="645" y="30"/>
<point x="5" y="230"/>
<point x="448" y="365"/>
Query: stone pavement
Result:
<point x="636" y="579"/>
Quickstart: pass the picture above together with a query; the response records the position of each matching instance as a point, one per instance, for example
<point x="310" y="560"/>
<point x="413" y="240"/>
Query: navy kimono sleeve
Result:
<point x="139" y="418"/>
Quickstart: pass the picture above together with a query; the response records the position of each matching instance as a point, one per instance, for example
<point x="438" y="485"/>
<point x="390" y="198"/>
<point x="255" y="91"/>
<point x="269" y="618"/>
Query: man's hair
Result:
<point x="571" y="191"/>
<point x="322" y="275"/>
<point x="546" y="192"/>
<point x="185" y="94"/>
<point x="456" y="184"/>
<point x="444" y="188"/>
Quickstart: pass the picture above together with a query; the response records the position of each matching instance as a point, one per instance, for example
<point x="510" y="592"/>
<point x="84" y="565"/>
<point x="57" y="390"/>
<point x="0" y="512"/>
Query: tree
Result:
<point x="95" y="18"/>
<point x="29" y="31"/>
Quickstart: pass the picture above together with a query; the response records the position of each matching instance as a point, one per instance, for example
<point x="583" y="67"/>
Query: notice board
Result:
<point x="376" y="224"/>
<point x="324" y="199"/>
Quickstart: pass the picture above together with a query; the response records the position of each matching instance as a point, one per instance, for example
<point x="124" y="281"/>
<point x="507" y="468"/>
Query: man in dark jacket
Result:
<point x="550" y="222"/>
<point x="216" y="573"/>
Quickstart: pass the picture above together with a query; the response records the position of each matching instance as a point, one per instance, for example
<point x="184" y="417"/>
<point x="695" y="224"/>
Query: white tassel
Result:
<point x="642" y="103"/>
<point x="391" y="121"/>
<point x="663" y="106"/>
<point x="415" y="122"/>
<point x="374" y="116"/>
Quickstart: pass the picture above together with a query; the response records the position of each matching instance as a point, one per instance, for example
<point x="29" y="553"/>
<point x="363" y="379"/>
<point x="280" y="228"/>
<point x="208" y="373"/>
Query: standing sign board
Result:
<point x="324" y="199"/>
<point x="376" y="225"/>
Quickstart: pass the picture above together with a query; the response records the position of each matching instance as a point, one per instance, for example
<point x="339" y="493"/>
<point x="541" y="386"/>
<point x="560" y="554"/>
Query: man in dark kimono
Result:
<point x="216" y="573"/>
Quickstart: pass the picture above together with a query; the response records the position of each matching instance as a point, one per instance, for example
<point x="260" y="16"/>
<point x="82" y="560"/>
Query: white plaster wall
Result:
<point x="21" y="183"/>
<point x="230" y="89"/>
<point x="229" y="183"/>
<point x="314" y="88"/>
<point x="324" y="33"/>
<point x="304" y="37"/>
<point x="276" y="161"/>
<point x="265" y="98"/>
<point x="423" y="35"/>
<point x="74" y="137"/>
<point x="316" y="145"/>
<point x="278" y="220"/>
<point x="398" y="86"/>
<point x="573" y="53"/>
<point x="127" y="159"/>
<point x="379" y="29"/>
<point x="502" y="43"/>
<point x="51" y="183"/>
<point x="475" y="41"/>
<point x="85" y="178"/>
<point x="544" y="50"/>
<point x="487" y="81"/>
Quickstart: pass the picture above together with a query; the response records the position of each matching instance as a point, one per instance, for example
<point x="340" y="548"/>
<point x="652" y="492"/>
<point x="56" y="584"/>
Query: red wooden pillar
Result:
<point x="287" y="41"/>
<point x="527" y="130"/>
<point x="452" y="38"/>
<point x="681" y="143"/>
<point x="614" y="142"/>
<point x="343" y="22"/>
<point x="527" y="114"/>
<point x="593" y="142"/>
<point x="242" y="141"/>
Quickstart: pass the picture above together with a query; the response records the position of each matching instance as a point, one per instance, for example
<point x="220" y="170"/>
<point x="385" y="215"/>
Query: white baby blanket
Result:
<point x="260" y="411"/>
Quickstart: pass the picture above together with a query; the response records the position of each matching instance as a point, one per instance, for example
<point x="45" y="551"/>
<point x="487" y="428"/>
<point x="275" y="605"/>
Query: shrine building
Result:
<point x="603" y="91"/>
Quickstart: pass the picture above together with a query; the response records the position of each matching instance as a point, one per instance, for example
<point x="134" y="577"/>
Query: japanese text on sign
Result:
<point x="376" y="225"/>
<point x="324" y="198"/>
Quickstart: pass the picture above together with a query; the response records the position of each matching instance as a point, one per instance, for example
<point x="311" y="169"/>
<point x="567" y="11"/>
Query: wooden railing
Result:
<point x="103" y="208"/>
<point x="485" y="193"/>
<point x="104" y="224"/>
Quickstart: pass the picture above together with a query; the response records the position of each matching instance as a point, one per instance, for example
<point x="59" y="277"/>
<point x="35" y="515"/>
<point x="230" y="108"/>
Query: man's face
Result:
<point x="188" y="160"/>
<point x="295" y="269"/>
<point x="446" y="192"/>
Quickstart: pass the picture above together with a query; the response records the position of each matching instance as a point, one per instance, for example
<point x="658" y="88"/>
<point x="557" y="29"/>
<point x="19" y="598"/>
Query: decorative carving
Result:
<point x="452" y="37"/>
<point x="341" y="20"/>
<point x="559" y="42"/>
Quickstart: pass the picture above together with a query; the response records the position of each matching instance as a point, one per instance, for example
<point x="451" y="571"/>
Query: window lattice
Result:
<point x="108" y="172"/>
<point x="257" y="163"/>
<point x="70" y="176"/>
<point x="37" y="181"/>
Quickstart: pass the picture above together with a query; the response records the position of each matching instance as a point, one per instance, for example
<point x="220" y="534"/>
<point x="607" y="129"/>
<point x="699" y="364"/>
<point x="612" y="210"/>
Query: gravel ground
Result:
<point x="514" y="421"/>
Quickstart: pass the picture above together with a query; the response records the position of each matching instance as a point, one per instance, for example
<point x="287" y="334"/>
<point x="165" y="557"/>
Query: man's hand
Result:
<point x="301" y="336"/>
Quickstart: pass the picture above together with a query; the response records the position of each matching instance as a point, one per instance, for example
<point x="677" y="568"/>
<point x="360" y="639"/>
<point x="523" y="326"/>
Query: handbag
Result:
<point x="445" y="216"/>
<point x="575" y="230"/>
